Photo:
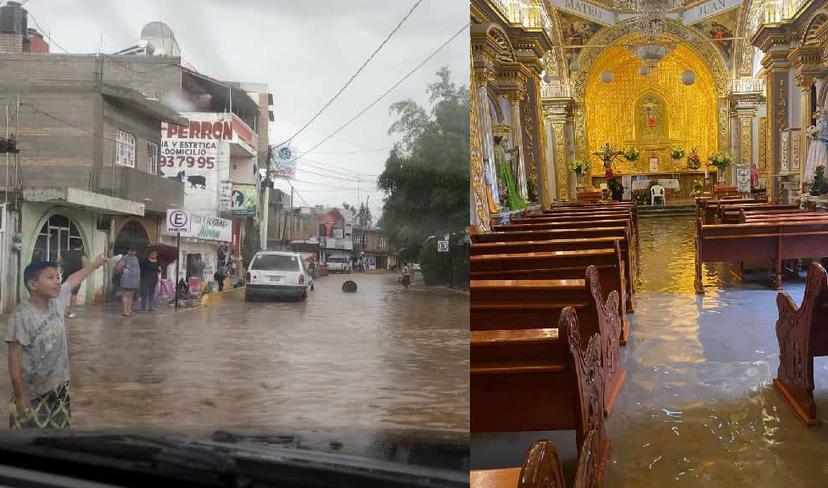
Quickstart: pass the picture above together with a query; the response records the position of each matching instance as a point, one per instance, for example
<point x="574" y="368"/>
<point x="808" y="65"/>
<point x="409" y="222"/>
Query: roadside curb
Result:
<point x="219" y="296"/>
<point x="455" y="290"/>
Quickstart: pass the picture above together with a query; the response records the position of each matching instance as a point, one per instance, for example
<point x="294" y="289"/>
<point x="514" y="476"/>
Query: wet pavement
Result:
<point x="382" y="358"/>
<point x="697" y="407"/>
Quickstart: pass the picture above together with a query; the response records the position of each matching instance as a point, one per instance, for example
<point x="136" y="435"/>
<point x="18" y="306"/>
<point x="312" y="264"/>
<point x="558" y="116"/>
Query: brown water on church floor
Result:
<point x="697" y="407"/>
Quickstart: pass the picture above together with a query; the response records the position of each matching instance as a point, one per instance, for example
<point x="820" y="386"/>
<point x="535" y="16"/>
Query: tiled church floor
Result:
<point x="697" y="407"/>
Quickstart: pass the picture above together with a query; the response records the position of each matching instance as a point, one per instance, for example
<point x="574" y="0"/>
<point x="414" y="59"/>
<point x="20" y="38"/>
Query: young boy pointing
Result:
<point x="38" y="352"/>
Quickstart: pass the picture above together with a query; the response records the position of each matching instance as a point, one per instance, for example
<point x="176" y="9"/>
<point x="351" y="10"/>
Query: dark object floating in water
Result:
<point x="349" y="287"/>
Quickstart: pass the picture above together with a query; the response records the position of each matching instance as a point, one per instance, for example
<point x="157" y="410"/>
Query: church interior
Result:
<point x="649" y="214"/>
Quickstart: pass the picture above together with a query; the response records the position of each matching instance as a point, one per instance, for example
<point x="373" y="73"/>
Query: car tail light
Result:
<point x="301" y="279"/>
<point x="247" y="278"/>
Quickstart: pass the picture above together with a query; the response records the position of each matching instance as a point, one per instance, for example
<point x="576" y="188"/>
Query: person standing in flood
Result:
<point x="38" y="351"/>
<point x="406" y="276"/>
<point x="150" y="268"/>
<point x="130" y="270"/>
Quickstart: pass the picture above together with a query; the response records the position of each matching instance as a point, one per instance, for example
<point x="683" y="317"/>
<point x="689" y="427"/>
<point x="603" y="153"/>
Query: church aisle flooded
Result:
<point x="382" y="358"/>
<point x="698" y="407"/>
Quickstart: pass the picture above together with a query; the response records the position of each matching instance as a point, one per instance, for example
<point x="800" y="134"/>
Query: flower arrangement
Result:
<point x="720" y="160"/>
<point x="579" y="166"/>
<point x="677" y="153"/>
<point x="631" y="154"/>
<point x="819" y="186"/>
<point x="698" y="186"/>
<point x="693" y="160"/>
<point x="811" y="132"/>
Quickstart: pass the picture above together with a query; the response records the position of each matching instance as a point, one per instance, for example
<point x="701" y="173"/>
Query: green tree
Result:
<point x="426" y="176"/>
<point x="364" y="217"/>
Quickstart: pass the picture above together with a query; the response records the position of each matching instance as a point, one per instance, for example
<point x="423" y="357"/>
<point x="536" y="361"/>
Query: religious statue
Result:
<point x="649" y="115"/>
<point x="818" y="150"/>
<point x="506" y="181"/>
<point x="651" y="118"/>
<point x="608" y="154"/>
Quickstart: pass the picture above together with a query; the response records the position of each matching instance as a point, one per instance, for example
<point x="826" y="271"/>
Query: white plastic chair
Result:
<point x="657" y="191"/>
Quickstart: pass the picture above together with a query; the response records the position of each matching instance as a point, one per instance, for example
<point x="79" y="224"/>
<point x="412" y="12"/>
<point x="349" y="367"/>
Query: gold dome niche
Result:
<point x="652" y="113"/>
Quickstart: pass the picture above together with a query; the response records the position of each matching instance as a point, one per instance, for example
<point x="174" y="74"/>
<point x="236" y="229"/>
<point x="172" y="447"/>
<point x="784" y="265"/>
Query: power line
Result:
<point x="51" y="39"/>
<point x="334" y="177"/>
<point x="358" y="71"/>
<point x="380" y="149"/>
<point x="385" y="93"/>
<point x="336" y="169"/>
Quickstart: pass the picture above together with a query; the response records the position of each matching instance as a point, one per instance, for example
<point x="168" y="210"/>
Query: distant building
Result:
<point x="371" y="247"/>
<point x="15" y="35"/>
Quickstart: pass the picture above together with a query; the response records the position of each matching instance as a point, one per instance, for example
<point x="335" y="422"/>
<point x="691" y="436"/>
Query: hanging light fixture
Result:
<point x="688" y="77"/>
<point x="651" y="54"/>
<point x="607" y="76"/>
<point x="644" y="70"/>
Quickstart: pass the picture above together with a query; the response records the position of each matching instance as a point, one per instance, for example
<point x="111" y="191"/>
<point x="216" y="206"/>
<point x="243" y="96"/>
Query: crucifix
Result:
<point x="608" y="154"/>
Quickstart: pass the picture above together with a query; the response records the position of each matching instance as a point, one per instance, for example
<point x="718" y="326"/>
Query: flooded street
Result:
<point x="382" y="358"/>
<point x="697" y="407"/>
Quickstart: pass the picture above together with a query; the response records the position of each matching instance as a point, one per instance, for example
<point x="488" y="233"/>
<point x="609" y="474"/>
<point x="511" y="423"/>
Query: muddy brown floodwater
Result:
<point x="382" y="358"/>
<point x="697" y="407"/>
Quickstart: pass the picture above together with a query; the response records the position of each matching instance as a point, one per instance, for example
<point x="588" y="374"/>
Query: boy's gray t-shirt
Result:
<point x="45" y="358"/>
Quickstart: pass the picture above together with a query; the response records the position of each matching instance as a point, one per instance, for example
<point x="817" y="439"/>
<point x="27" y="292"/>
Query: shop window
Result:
<point x="125" y="149"/>
<point x="57" y="234"/>
<point x="152" y="158"/>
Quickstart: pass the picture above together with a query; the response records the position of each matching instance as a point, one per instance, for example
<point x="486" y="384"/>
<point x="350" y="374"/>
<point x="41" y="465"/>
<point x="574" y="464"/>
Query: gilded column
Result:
<point x="804" y="82"/>
<point x="547" y="178"/>
<point x="479" y="190"/>
<point x="772" y="40"/>
<point x="723" y="134"/>
<point x="519" y="163"/>
<point x="557" y="113"/>
<point x="744" y="107"/>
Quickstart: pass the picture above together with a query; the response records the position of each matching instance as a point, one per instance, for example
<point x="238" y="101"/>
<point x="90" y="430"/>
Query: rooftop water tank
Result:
<point x="13" y="18"/>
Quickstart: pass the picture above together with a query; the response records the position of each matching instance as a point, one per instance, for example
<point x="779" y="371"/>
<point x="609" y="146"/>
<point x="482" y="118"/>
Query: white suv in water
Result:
<point x="276" y="274"/>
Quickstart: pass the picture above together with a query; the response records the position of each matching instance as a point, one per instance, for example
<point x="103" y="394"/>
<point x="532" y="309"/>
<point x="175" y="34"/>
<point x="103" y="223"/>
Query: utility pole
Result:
<point x="290" y="233"/>
<point x="7" y="155"/>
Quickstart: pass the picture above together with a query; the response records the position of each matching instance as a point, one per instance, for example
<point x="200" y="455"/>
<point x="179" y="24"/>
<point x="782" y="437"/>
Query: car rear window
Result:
<point x="275" y="262"/>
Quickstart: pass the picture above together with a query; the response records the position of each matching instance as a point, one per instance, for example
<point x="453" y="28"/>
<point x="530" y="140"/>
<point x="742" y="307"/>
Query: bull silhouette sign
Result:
<point x="195" y="181"/>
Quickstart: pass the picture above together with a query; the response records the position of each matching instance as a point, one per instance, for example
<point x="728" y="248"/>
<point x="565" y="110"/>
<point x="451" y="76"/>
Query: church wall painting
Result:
<point x="720" y="29"/>
<point x="576" y="31"/>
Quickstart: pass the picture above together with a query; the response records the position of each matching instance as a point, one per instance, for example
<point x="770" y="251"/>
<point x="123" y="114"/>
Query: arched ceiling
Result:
<point x="719" y="29"/>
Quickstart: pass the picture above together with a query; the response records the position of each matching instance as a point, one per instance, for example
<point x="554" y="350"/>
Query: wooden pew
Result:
<point x="483" y="248"/>
<point x="628" y="251"/>
<point x="558" y="265"/>
<point x="762" y="242"/>
<point x="579" y="215"/>
<point x="580" y="224"/>
<point x="605" y="207"/>
<point x="517" y="379"/>
<point x="532" y="304"/>
<point x="784" y="217"/>
<point x="708" y="208"/>
<point x="542" y="468"/>
<point x="802" y="334"/>
<point x="730" y="214"/>
<point x="561" y="225"/>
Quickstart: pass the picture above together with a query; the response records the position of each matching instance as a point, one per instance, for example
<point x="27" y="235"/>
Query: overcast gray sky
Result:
<point x="304" y="50"/>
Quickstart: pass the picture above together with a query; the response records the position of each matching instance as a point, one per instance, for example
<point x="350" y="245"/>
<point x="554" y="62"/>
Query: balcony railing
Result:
<point x="157" y="193"/>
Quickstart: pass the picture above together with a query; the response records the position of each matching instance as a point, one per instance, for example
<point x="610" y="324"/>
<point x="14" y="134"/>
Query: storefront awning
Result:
<point x="75" y="197"/>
